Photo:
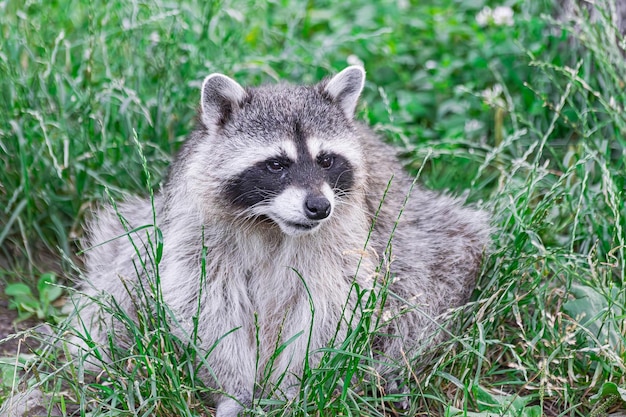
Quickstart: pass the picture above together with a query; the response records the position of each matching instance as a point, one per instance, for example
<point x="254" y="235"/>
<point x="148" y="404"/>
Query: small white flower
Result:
<point x="473" y="125"/>
<point x="484" y="16"/>
<point x="503" y="15"/>
<point x="355" y="60"/>
<point x="490" y="94"/>
<point x="493" y="96"/>
<point x="430" y="64"/>
<point x="154" y="37"/>
<point x="500" y="16"/>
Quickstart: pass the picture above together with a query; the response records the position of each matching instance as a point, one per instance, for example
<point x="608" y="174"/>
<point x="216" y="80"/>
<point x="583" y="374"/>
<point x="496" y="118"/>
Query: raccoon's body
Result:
<point x="279" y="188"/>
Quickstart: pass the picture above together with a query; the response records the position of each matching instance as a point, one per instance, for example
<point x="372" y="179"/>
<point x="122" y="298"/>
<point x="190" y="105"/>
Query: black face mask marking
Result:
<point x="265" y="180"/>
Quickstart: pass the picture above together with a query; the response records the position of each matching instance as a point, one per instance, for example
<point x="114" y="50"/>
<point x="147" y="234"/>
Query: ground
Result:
<point x="9" y="326"/>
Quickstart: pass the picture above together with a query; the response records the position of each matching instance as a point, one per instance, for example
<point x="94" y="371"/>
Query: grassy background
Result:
<point x="527" y="119"/>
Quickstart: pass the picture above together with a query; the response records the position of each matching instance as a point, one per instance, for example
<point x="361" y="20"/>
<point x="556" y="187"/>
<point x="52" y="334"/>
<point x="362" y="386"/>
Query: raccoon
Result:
<point x="288" y="202"/>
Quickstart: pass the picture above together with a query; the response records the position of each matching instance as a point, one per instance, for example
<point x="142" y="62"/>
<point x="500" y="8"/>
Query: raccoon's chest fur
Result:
<point x="270" y="288"/>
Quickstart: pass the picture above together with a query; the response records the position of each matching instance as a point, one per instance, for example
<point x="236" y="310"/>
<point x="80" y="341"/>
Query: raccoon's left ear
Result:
<point x="221" y="96"/>
<point x="345" y="88"/>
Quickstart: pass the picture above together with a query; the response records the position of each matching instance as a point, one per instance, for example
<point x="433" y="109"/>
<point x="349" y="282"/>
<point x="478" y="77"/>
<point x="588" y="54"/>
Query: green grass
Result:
<point x="545" y="151"/>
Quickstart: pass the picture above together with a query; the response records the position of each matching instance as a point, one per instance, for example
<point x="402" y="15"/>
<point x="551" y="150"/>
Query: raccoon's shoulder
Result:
<point x="381" y="163"/>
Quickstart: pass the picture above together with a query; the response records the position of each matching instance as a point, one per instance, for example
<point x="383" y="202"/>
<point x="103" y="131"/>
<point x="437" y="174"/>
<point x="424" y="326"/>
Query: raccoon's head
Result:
<point x="285" y="154"/>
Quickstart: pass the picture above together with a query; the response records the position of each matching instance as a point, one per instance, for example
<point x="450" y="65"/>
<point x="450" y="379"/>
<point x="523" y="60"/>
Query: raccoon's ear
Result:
<point x="220" y="97"/>
<point x="345" y="88"/>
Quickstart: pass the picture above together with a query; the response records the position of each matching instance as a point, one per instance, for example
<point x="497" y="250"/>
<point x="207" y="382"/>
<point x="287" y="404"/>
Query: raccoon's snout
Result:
<point x="317" y="207"/>
<point x="298" y="211"/>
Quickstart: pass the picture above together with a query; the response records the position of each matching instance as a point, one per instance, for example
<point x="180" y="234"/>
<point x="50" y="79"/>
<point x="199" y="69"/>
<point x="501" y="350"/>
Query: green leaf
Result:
<point x="46" y="281"/>
<point x="608" y="389"/>
<point x="501" y="405"/>
<point x="18" y="289"/>
<point x="488" y="401"/>
<point x="48" y="290"/>
<point x="533" y="411"/>
<point x="159" y="244"/>
<point x="8" y="375"/>
<point x="591" y="308"/>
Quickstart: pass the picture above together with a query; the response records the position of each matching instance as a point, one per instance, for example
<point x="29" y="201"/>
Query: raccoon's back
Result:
<point x="435" y="243"/>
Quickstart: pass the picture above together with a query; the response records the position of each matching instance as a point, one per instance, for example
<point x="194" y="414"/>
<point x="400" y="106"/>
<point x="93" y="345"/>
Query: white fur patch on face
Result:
<point x="329" y="194"/>
<point x="254" y="154"/>
<point x="287" y="210"/>
<point x="346" y="149"/>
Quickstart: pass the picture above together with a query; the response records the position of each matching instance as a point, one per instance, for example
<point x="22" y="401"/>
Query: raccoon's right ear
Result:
<point x="345" y="88"/>
<point x="220" y="97"/>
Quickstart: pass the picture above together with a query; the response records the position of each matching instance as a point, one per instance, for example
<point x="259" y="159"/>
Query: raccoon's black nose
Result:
<point x="317" y="208"/>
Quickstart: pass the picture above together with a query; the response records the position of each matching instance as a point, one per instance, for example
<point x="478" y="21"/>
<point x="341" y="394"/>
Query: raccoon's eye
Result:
<point x="325" y="161"/>
<point x="274" y="165"/>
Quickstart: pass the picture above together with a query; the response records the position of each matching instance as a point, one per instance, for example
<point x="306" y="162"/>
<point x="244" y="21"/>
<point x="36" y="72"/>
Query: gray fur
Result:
<point x="251" y="261"/>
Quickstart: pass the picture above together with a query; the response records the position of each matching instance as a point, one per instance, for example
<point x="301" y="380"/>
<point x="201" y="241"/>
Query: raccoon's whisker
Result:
<point x="346" y="171"/>
<point x="251" y="213"/>
<point x="246" y="222"/>
<point x="265" y="194"/>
